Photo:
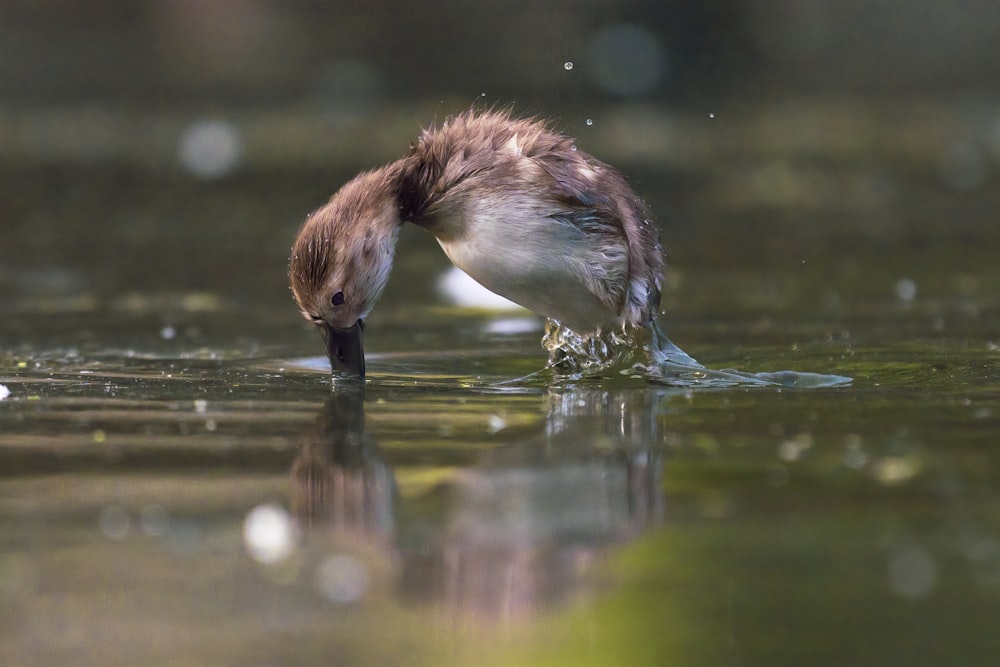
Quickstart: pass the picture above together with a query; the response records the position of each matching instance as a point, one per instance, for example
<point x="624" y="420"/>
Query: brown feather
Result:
<point x="514" y="181"/>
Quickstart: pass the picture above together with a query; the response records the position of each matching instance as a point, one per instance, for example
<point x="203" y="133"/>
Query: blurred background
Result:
<point x="179" y="484"/>
<point x="157" y="157"/>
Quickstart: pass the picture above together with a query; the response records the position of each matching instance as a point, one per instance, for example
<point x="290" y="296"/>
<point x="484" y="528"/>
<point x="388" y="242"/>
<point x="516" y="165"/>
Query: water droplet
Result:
<point x="4" y="392"/>
<point x="590" y="121"/>
<point x="711" y="115"/>
<point x="568" y="65"/>
<point x="167" y="332"/>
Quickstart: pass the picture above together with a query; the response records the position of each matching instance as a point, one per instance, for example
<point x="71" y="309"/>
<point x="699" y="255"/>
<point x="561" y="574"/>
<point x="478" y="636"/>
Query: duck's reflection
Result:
<point x="339" y="480"/>
<point x="512" y="534"/>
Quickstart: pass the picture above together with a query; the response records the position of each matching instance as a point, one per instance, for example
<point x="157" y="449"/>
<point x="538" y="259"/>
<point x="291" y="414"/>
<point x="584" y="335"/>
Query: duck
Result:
<point x="518" y="207"/>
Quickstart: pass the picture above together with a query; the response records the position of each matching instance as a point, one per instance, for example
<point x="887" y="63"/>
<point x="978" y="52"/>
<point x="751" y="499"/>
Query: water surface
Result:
<point x="180" y="483"/>
<point x="224" y="507"/>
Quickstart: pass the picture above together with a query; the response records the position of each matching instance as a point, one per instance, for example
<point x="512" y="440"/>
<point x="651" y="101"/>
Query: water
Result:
<point x="645" y="353"/>
<point x="443" y="514"/>
<point x="181" y="483"/>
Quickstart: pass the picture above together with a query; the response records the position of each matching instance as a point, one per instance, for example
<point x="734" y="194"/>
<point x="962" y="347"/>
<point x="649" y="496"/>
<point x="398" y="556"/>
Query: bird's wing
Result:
<point x="600" y="198"/>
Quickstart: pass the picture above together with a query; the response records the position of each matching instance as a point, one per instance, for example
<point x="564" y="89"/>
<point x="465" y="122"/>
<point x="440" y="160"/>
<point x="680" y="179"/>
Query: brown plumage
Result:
<point x="512" y="203"/>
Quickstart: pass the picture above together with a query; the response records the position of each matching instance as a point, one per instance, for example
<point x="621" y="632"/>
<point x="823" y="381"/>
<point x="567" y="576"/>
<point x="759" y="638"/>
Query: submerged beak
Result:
<point x="347" y="353"/>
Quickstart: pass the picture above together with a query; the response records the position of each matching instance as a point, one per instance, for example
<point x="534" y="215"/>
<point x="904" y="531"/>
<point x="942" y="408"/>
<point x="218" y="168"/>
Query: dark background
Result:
<point x="157" y="157"/>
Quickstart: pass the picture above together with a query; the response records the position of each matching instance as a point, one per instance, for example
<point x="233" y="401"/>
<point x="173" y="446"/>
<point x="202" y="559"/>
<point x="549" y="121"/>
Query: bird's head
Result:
<point x="340" y="263"/>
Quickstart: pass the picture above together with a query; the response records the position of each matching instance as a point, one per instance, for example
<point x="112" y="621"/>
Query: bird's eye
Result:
<point x="337" y="299"/>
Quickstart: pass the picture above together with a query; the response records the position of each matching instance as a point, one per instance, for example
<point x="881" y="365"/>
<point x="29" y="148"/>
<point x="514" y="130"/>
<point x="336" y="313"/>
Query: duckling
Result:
<point x="512" y="203"/>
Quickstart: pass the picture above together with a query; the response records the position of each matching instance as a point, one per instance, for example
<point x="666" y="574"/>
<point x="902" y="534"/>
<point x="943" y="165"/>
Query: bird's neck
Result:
<point x="412" y="187"/>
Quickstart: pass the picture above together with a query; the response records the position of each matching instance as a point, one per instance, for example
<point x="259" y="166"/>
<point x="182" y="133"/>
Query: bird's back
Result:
<point x="521" y="206"/>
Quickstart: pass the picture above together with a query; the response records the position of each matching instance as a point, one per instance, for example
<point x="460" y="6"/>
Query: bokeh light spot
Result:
<point x="210" y="148"/>
<point x="269" y="534"/>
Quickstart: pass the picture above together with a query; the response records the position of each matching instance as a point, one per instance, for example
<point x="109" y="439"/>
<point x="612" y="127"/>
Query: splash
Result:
<point x="646" y="352"/>
<point x="575" y="355"/>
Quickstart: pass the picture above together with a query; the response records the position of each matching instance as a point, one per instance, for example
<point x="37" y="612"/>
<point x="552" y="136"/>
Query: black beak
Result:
<point x="347" y="353"/>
